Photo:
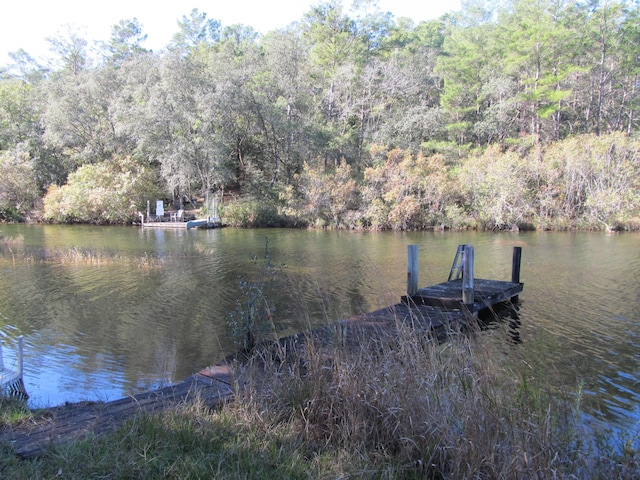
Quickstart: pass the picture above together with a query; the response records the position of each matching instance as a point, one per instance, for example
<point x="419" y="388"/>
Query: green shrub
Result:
<point x="19" y="191"/>
<point x="110" y="192"/>
<point x="250" y="213"/>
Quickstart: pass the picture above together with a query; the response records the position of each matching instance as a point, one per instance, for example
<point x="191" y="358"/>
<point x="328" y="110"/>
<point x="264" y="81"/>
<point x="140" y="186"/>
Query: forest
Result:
<point x="512" y="114"/>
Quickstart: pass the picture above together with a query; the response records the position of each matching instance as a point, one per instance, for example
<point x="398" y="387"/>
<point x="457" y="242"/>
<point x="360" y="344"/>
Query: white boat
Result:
<point x="204" y="223"/>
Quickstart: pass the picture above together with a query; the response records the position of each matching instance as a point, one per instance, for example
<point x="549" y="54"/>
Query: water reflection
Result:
<point x="505" y="315"/>
<point x="110" y="311"/>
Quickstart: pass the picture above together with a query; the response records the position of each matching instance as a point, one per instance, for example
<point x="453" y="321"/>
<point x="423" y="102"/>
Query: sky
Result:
<point x="27" y="23"/>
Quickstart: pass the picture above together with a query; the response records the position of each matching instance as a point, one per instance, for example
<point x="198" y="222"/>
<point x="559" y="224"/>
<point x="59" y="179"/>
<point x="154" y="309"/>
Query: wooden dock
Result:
<point x="446" y="306"/>
<point x="168" y="225"/>
<point x="184" y="225"/>
<point x="448" y="295"/>
<point x="180" y="219"/>
<point x="79" y="421"/>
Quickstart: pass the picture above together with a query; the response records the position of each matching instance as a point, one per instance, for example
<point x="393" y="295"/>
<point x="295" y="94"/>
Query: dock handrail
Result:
<point x="457" y="266"/>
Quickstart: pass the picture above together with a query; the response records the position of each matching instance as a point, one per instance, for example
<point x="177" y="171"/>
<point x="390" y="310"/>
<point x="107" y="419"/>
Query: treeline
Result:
<point x="509" y="114"/>
<point x="586" y="182"/>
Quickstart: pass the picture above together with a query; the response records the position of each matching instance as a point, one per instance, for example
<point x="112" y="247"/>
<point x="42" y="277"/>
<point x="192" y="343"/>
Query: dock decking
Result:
<point x="79" y="421"/>
<point x="182" y="225"/>
<point x="169" y="225"/>
<point x="435" y="308"/>
<point x="448" y="295"/>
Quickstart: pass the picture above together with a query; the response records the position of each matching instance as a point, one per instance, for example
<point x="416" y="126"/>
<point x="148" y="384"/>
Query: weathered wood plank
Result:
<point x="448" y="295"/>
<point x="84" y="420"/>
<point x="168" y="225"/>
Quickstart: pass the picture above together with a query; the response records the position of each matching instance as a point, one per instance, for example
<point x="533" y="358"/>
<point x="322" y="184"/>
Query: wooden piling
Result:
<point x="467" y="276"/>
<point x="515" y="270"/>
<point x="515" y="264"/>
<point x="412" y="270"/>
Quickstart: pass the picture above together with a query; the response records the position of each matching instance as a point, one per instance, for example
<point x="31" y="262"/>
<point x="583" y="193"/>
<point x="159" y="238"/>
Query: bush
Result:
<point x="19" y="191"/>
<point x="496" y="185"/>
<point x="594" y="180"/>
<point x="105" y="193"/>
<point x="250" y="213"/>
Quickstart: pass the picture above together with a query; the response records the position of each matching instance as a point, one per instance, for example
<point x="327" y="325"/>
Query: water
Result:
<point x="109" y="311"/>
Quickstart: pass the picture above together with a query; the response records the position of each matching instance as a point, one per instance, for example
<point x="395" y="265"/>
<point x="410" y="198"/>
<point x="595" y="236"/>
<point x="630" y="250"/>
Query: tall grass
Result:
<point x="75" y="255"/>
<point x="397" y="406"/>
<point x="81" y="256"/>
<point x="405" y="405"/>
<point x="6" y="242"/>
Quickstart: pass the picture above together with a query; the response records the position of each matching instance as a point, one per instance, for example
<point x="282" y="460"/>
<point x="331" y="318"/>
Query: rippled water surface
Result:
<point x="108" y="311"/>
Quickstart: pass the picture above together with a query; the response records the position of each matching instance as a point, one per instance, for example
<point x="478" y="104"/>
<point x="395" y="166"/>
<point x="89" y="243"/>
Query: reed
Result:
<point x="8" y="241"/>
<point x="409" y="405"/>
<point x="79" y="256"/>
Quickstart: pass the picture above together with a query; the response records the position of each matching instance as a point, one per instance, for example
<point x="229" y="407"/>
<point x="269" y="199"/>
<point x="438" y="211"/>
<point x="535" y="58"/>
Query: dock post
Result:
<point x="467" y="276"/>
<point x="515" y="264"/>
<point x="412" y="270"/>
<point x="515" y="270"/>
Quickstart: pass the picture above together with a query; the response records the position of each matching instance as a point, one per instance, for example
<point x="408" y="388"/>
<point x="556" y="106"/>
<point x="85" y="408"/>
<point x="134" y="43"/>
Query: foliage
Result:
<point x="125" y="42"/>
<point x="249" y="213"/>
<point x="18" y="113"/>
<point x="70" y="50"/>
<point x="19" y="193"/>
<point x="183" y="127"/>
<point x="320" y="102"/>
<point x="331" y="196"/>
<point x="583" y="182"/>
<point x="104" y="193"/>
<point x="495" y="185"/>
<point x="406" y="191"/>
<point x="596" y="178"/>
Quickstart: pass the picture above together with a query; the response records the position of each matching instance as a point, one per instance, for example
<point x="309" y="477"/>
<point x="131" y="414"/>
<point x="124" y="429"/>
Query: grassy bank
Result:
<point x="397" y="407"/>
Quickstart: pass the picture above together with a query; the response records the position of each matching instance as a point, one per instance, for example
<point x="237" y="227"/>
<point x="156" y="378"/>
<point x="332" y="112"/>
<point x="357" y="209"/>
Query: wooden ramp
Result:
<point x="79" y="421"/>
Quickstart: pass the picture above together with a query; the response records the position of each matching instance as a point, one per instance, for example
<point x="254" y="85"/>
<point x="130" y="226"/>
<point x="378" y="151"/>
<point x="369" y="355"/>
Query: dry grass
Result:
<point x="78" y="256"/>
<point x="398" y="406"/>
<point x="6" y="242"/>
<point x="14" y="245"/>
<point x="11" y="240"/>
<point x="410" y="406"/>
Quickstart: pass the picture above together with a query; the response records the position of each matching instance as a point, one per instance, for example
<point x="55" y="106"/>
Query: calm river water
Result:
<point x="108" y="311"/>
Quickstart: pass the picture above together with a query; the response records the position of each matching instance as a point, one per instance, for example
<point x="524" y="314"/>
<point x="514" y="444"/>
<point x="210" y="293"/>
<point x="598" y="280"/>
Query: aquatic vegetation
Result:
<point x="10" y="240"/>
<point x="75" y="255"/>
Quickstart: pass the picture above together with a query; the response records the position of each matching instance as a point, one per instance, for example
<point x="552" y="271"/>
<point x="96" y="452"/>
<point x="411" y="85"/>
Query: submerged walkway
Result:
<point x="432" y="309"/>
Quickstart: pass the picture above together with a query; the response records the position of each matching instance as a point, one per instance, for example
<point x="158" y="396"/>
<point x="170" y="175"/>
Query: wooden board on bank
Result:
<point x="79" y="421"/>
